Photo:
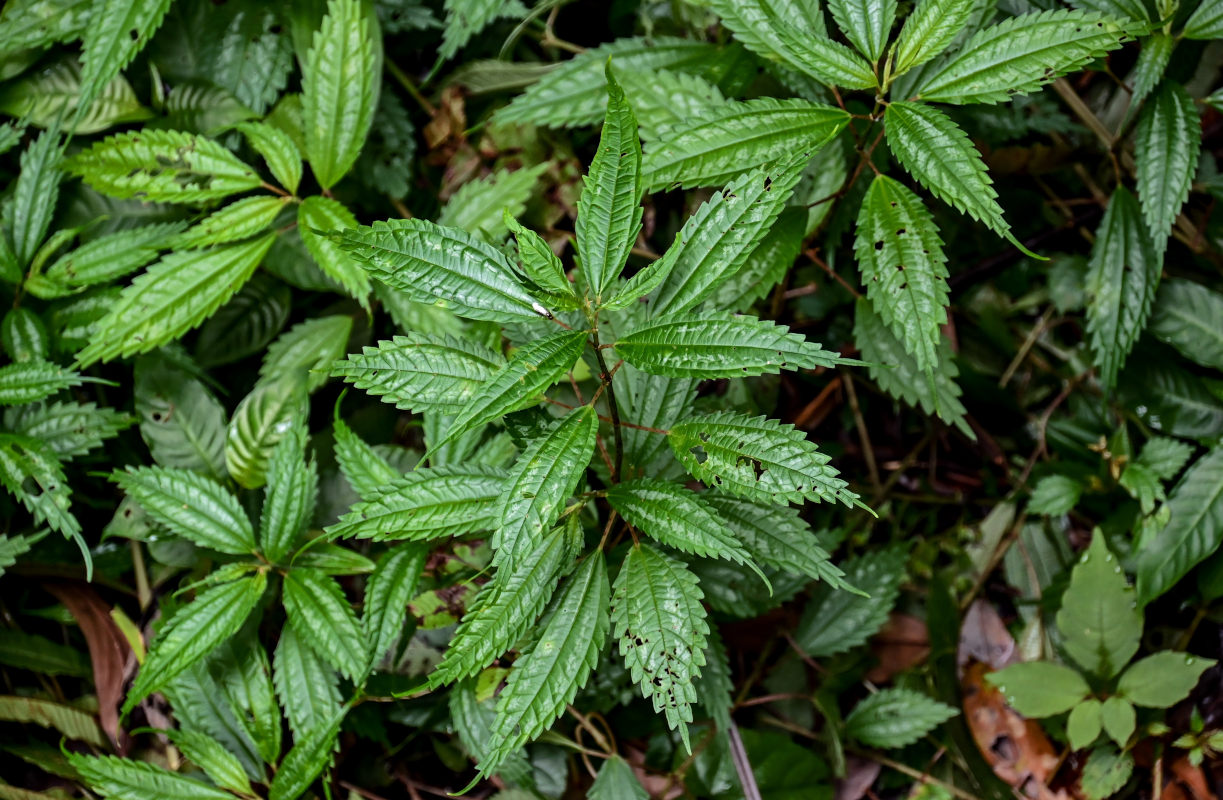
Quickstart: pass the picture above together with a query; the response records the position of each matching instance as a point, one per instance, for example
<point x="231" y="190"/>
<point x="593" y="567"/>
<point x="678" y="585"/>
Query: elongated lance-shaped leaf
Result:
<point x="117" y="31"/>
<point x="895" y="717"/>
<point x="28" y="381"/>
<point x="41" y="23"/>
<point x="181" y="421"/>
<point x="222" y="766"/>
<point x="935" y="151"/>
<point x="776" y="536"/>
<point x="756" y="457"/>
<point x="507" y="607"/>
<point x="244" y="674"/>
<point x="421" y="371"/>
<point x="664" y="98"/>
<point x="162" y="166"/>
<point x="1166" y="146"/>
<point x="308" y="347"/>
<point x="201" y="704"/>
<point x="643" y="282"/>
<point x="1024" y="53"/>
<point x="901" y="258"/>
<point x="678" y="517"/>
<point x="190" y="505"/>
<point x="827" y="61"/>
<point x="426" y="503"/>
<point x="466" y="18"/>
<point x="325" y="214"/>
<point x="549" y="673"/>
<point x="238" y="220"/>
<point x="658" y="618"/>
<point x="365" y="470"/>
<point x="434" y="264"/>
<point x="30" y="472"/>
<point x="609" y="211"/>
<point x="544" y="476"/>
<point x="739" y="137"/>
<point x="278" y="151"/>
<point x="529" y="372"/>
<point x="1149" y="68"/>
<point x="307" y="687"/>
<point x="836" y="621"/>
<point x="387" y="593"/>
<point x="28" y="212"/>
<point x="126" y="779"/>
<point x="716" y="241"/>
<point x="67" y="429"/>
<point x="292" y="493"/>
<point x="1186" y="316"/>
<point x="1122" y="277"/>
<point x="929" y="30"/>
<point x="193" y="632"/>
<point x="311" y="754"/>
<point x="1193" y="533"/>
<point x="173" y="296"/>
<point x="481" y="205"/>
<point x="866" y="23"/>
<point x="1206" y="22"/>
<point x="757" y="23"/>
<point x="718" y="345"/>
<point x="653" y="401"/>
<point x="321" y="614"/>
<point x="104" y="259"/>
<point x="339" y="91"/>
<point x="539" y="263"/>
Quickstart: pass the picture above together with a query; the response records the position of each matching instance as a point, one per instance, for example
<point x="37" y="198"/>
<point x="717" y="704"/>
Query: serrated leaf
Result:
<point x="202" y="704"/>
<point x="1040" y="688"/>
<point x="258" y="424"/>
<point x="245" y="324"/>
<point x="1167" y="142"/>
<point x="895" y="718"/>
<point x="278" y="151"/>
<point x="549" y="673"/>
<point x="292" y="493"/>
<point x="244" y="674"/>
<point x="757" y="458"/>
<point x="118" y="30"/>
<point x="1055" y="495"/>
<point x="646" y="280"/>
<point x="426" y="503"/>
<point x="24" y="336"/>
<point x="1194" y="531"/>
<point x="324" y="214"/>
<point x="30" y="472"/>
<point x="539" y="263"/>
<point x="664" y="98"/>
<point x="311" y="754"/>
<point x="125" y="779"/>
<point x="765" y="265"/>
<point x="929" y="30"/>
<point x="238" y="220"/>
<point x="616" y="781"/>
<point x="1105" y="773"/>
<point x="1099" y="621"/>
<point x="365" y="470"/>
<point x="739" y="137"/>
<point x="777" y="536"/>
<point x="162" y="166"/>
<point x="67" y="429"/>
<point x="190" y="505"/>
<point x="1184" y="316"/>
<point x="659" y="621"/>
<point x="432" y="264"/>
<point x="1162" y="680"/>
<point x="27" y="213"/>
<point x="307" y="349"/>
<point x="36" y="653"/>
<point x="387" y="593"/>
<point x="540" y="481"/>
<point x="30" y="381"/>
<point x="866" y="23"/>
<point x="1022" y="54"/>
<point x="657" y="402"/>
<point x="104" y="259"/>
<point x="941" y="157"/>
<point x="824" y="59"/>
<point x="339" y="91"/>
<point x="31" y="24"/>
<point x="1164" y="456"/>
<point x="1149" y="68"/>
<point x="466" y="18"/>
<point x="331" y="559"/>
<point x="1118" y="719"/>
<point x="193" y="632"/>
<point x="181" y="421"/>
<point x="421" y="372"/>
<point x="1206" y="22"/>
<point x="835" y="621"/>
<point x="305" y="684"/>
<point x="211" y="756"/>
<point x="480" y="205"/>
<point x="320" y="614"/>
<point x="65" y="719"/>
<point x="1121" y="281"/>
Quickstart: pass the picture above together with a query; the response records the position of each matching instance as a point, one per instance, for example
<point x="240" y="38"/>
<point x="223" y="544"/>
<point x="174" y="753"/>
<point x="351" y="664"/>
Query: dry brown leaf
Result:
<point x="903" y="643"/>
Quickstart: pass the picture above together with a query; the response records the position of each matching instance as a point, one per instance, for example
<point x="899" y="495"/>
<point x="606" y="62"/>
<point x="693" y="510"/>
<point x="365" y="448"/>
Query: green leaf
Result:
<point x="162" y="166"/>
<point x="757" y="458"/>
<point x="238" y="220"/>
<point x="324" y="214"/>
<point x="480" y="205"/>
<point x="387" y="593"/>
<point x="13" y="546"/>
<point x="549" y="673"/>
<point x="901" y="258"/>
<point x="27" y="214"/>
<point x="739" y="137"/>
<point x="609" y="210"/>
<point x="1193" y="533"/>
<point x="211" y="756"/>
<point x="190" y="505"/>
<point x="291" y="496"/>
<point x="258" y="424"/>
<point x="757" y="23"/>
<point x="1149" y="68"/>
<point x="117" y="31"/>
<point x="1162" y="680"/>
<point x="421" y="371"/>
<point x="245" y="325"/>
<point x="320" y="614"/>
<point x="331" y="559"/>
<point x="202" y="704"/>
<point x="659" y="621"/>
<point x="466" y="18"/>
<point x="71" y="722"/>
<point x="426" y="503"/>
<point x="1206" y="22"/>
<point x="24" y="336"/>
<point x="124" y="779"/>
<point x="506" y="608"/>
<point x="616" y="781"/>
<point x="1122" y="9"/>
<point x="1040" y="688"/>
<point x="1164" y="456"/>
<point x="1105" y="773"/>
<point x="718" y="345"/>
<point x="929" y="30"/>
<point x="202" y="107"/>
<point x="717" y="240"/>
<point x="340" y="84"/>
<point x="1167" y="142"/>
<point x="1055" y="495"/>
<point x="895" y="718"/>
<point x="181" y="421"/>
<point x="542" y="478"/>
<point x="865" y="24"/>
<point x="104" y="259"/>
<point x="836" y="621"/>
<point x="1118" y="718"/>
<point x="278" y="151"/>
<point x="1121" y="281"/>
<point x="309" y="348"/>
<point x="1022" y="54"/>
<point x="823" y="59"/>
<point x="306" y="686"/>
<point x="539" y="263"/>
<point x="662" y="99"/>
<point x="1099" y="621"/>
<point x="646" y="280"/>
<point x="39" y="654"/>
<point x="311" y="754"/>
<point x="242" y="668"/>
<point x="30" y="381"/>
<point x="936" y="152"/>
<point x="365" y="470"/>
<point x="432" y="264"/>
<point x="1084" y="723"/>
<point x="678" y="517"/>
<point x="1184" y="316"/>
<point x="776" y="536"/>
<point x="192" y="633"/>
<point x="530" y="371"/>
<point x="765" y="265"/>
<point x="34" y="24"/>
<point x="30" y="472"/>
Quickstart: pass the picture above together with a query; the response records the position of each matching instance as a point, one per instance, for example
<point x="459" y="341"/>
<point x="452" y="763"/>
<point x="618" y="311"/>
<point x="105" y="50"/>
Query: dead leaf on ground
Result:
<point x="1186" y="782"/>
<point x="984" y="638"/>
<point x="903" y="643"/>
<point x="860" y="775"/>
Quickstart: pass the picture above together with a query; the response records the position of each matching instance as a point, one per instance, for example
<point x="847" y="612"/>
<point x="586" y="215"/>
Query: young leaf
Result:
<point x="616" y="781"/>
<point x="659" y="621"/>
<point x="1166" y="146"/>
<point x="1040" y="688"/>
<point x="642" y="283"/>
<point x="292" y="492"/>
<point x="1084" y="724"/>
<point x="339" y="91"/>
<point x="1184" y="316"/>
<point x="538" y="261"/>
<point x="324" y="214"/>
<point x="895" y="718"/>
<point x="544" y="476"/>
<point x="836" y="621"/>
<point x="320" y="614"/>
<point x="609" y="211"/>
<point x="311" y="754"/>
<point x="181" y="421"/>
<point x="278" y="150"/>
<point x="1118" y="718"/>
<point x="1055" y="495"/>
<point x="1121" y="281"/>
<point x="777" y="536"/>
<point x="929" y="30"/>
<point x="193" y="632"/>
<point x="259" y="422"/>
<point x="365" y="470"/>
<point x="1099" y="621"/>
<point x="1162" y="680"/>
<point x="426" y="503"/>
<point x="387" y="593"/>
<point x="125" y="779"/>
<point x="1193" y="533"/>
<point x="1023" y="54"/>
<point x="866" y="24"/>
<point x="434" y="264"/>
<point x="238" y="220"/>
<point x="117" y="31"/>
<point x="739" y="137"/>
<point x="190" y="505"/>
<point x="757" y="458"/>
<point x="305" y="684"/>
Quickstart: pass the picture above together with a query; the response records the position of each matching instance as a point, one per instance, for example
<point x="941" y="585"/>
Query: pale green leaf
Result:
<point x="777" y="536"/>
<point x="616" y="781"/>
<point x="1055" y="495"/>
<point x="1164" y="456"/>
<point x="305" y="685"/>
<point x="238" y="220"/>
<point x="24" y="336"/>
<point x="426" y="503"/>
<point x="308" y="348"/>
<point x="324" y="214"/>
<point x="125" y="779"/>
<point x="211" y="756"/>
<point x="33" y="24"/>
<point x="67" y="720"/>
<point x="1149" y="68"/>
<point x="202" y="704"/>
<point x="1084" y="724"/>
<point x="929" y="30"/>
<point x="1167" y="142"/>
<point x="895" y="718"/>
<point x="387" y="593"/>
<point x="1119" y="720"/>
<point x="539" y="263"/>
<point x="824" y="59"/>
<point x="311" y="754"/>
<point x="30" y="472"/>
<point x="835" y="621"/>
<point x="646" y="280"/>
<point x="258" y="424"/>
<point x="1185" y="316"/>
<point x="1099" y="621"/>
<point x="203" y="107"/>
<point x="190" y="505"/>
<point x="321" y="615"/>
<point x="105" y="258"/>
<point x="1193" y="533"/>
<point x="117" y="31"/>
<point x="292" y="493"/>
<point x="1162" y="680"/>
<point x="365" y="470"/>
<point x="1106" y="773"/>
<point x="29" y="381"/>
<point x="1206" y="22"/>
<point x="1040" y="688"/>
<point x="278" y="151"/>
<point x="480" y="205"/>
<point x="331" y="559"/>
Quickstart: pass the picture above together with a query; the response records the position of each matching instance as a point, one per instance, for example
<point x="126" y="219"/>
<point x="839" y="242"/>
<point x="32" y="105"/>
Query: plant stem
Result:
<point x="605" y="375"/>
